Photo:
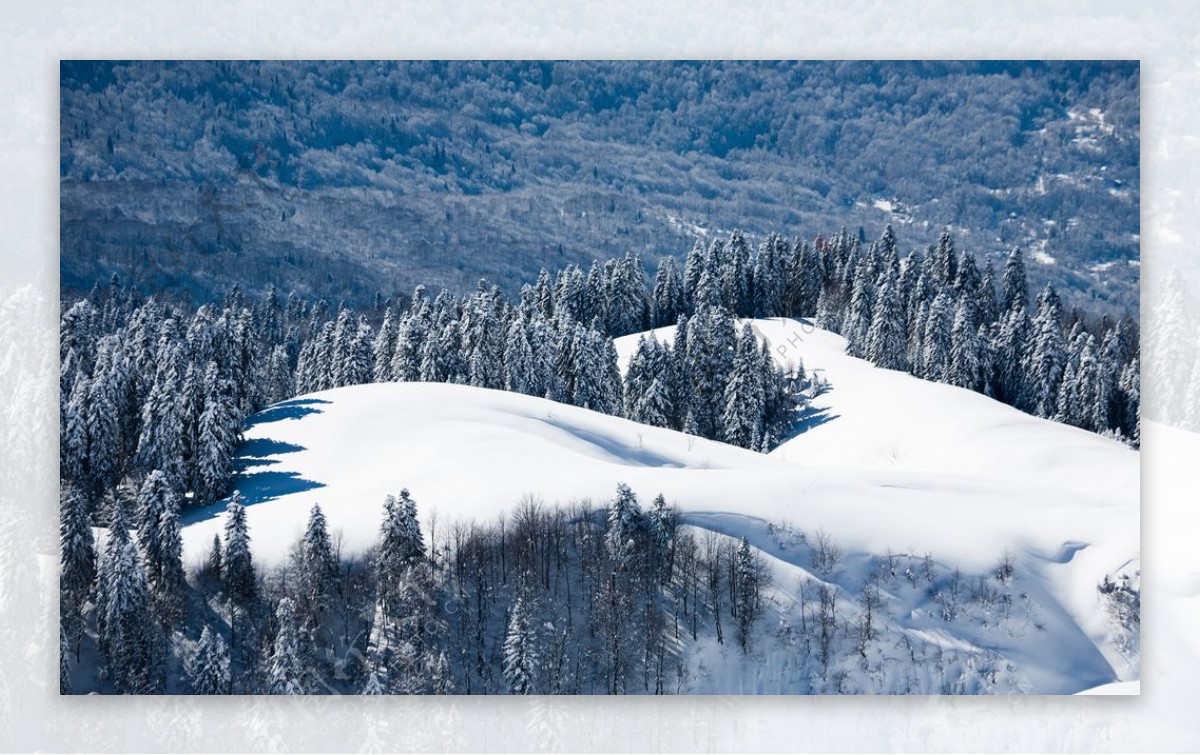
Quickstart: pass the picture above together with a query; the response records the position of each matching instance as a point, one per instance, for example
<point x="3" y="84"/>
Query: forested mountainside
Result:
<point x="338" y="179"/>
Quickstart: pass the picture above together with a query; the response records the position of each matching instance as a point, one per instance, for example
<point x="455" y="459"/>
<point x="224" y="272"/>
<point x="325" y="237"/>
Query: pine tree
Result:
<point x="693" y="270"/>
<point x="520" y="649"/>
<point x="238" y="567"/>
<point x="519" y="372"/>
<point x="624" y="523"/>
<point x="129" y="640"/>
<point x="162" y="546"/>
<point x="316" y="569"/>
<point x="104" y="441"/>
<point x="747" y="585"/>
<point x="287" y="673"/>
<point x="668" y="293"/>
<point x="213" y="565"/>
<point x="936" y="359"/>
<point x="1131" y="397"/>
<point x="861" y="313"/>
<point x="885" y="339"/>
<point x="965" y="368"/>
<point x="77" y="554"/>
<point x="401" y="544"/>
<point x="1048" y="357"/>
<point x="743" y="415"/>
<point x="279" y="378"/>
<point x="208" y="670"/>
<point x="384" y="349"/>
<point x="708" y="364"/>
<point x="218" y="431"/>
<point x="1013" y="286"/>
<point x="73" y="457"/>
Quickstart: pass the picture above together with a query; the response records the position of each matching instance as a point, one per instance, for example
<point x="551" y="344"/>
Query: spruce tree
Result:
<point x="316" y="569"/>
<point x="746" y="587"/>
<point x="208" y="669"/>
<point x="237" y="571"/>
<point x="520" y="649"/>
<point x="668" y="293"/>
<point x="1048" y="357"/>
<point x="744" y="399"/>
<point x="885" y="338"/>
<point x="162" y="546"/>
<point x="77" y="559"/>
<point x="937" y="338"/>
<point x="218" y="432"/>
<point x="129" y="639"/>
<point x="287" y="673"/>
<point x="519" y="371"/>
<point x="965" y="368"/>
<point x="1014" y="290"/>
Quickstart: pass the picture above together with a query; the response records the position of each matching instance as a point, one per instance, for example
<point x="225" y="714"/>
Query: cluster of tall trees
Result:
<point x="935" y="314"/>
<point x="542" y="599"/>
<point x="552" y="600"/>
<point x="939" y="317"/>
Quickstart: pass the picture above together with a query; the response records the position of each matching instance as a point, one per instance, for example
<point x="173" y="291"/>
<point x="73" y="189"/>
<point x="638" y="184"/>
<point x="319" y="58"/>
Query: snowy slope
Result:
<point x="897" y="465"/>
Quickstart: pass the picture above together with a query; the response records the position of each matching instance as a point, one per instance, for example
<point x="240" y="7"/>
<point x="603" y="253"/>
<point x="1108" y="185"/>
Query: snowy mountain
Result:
<point x="946" y="542"/>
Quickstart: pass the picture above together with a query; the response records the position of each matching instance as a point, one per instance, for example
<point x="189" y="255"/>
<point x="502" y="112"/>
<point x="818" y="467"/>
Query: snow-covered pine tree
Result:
<point x="287" y="674"/>
<point x="624" y="525"/>
<point x="1014" y="290"/>
<point x="316" y="568"/>
<point x="1048" y="356"/>
<point x="965" y="365"/>
<point x="359" y="358"/>
<point x="693" y="270"/>
<point x="104" y="442"/>
<point x="945" y="259"/>
<point x="861" y="312"/>
<point x="520" y="648"/>
<point x="668" y="293"/>
<point x="77" y="559"/>
<point x="519" y="373"/>
<point x="207" y="671"/>
<point x="74" y="464"/>
<point x="218" y="433"/>
<point x="279" y="376"/>
<point x="885" y="338"/>
<point x="401" y="543"/>
<point x="1130" y="386"/>
<point x="237" y="572"/>
<point x="937" y="339"/>
<point x="130" y="643"/>
<point x="160" y="443"/>
<point x="735" y="274"/>
<point x="162" y="546"/>
<point x="779" y="404"/>
<point x="384" y="349"/>
<point x="987" y="305"/>
<point x="681" y="387"/>
<point x="711" y="344"/>
<point x="747" y="578"/>
<point x="744" y="395"/>
<point x="410" y="340"/>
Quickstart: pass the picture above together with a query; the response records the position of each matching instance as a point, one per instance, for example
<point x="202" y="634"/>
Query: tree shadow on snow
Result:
<point x="808" y="418"/>
<point x="294" y="409"/>
<point x="256" y="487"/>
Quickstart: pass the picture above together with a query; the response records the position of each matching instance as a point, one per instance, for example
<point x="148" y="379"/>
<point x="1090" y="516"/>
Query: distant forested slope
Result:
<point x="347" y="179"/>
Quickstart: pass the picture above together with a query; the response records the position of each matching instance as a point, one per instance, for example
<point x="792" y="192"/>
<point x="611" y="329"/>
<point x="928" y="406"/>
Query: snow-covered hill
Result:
<point x="885" y="463"/>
